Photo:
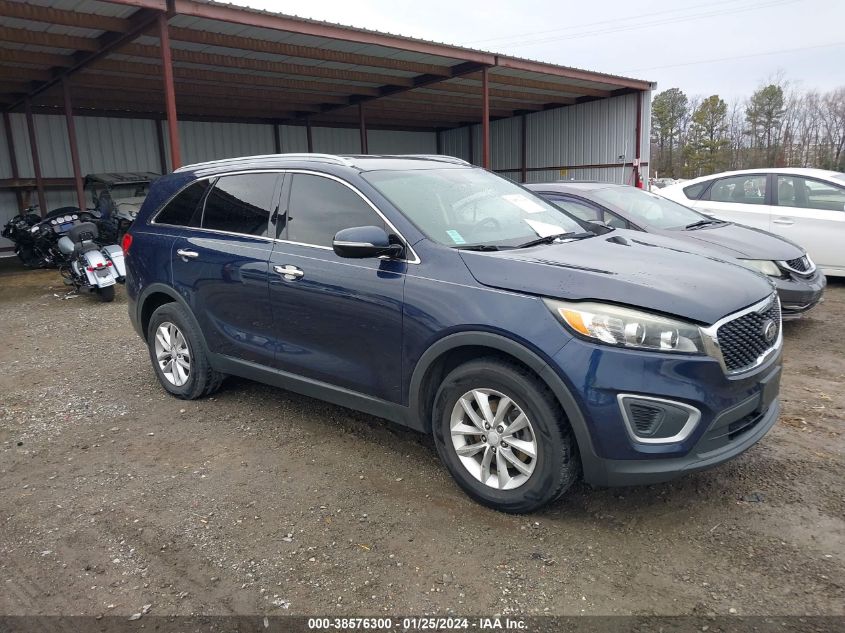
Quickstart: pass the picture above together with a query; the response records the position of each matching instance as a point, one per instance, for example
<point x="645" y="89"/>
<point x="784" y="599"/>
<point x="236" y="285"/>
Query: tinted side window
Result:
<point x="320" y="207"/>
<point x="693" y="192"/>
<point x="794" y="191"/>
<point x="578" y="209"/>
<point x="241" y="204"/>
<point x="749" y="189"/>
<point x="180" y="210"/>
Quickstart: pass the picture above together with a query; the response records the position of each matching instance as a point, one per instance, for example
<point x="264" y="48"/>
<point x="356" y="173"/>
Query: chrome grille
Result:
<point x="801" y="265"/>
<point x="743" y="340"/>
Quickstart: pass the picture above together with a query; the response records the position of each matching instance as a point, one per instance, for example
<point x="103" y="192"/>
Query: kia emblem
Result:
<point x="770" y="330"/>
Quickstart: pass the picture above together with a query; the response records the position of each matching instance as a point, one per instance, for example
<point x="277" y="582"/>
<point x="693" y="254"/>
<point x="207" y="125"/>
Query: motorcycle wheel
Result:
<point x="106" y="294"/>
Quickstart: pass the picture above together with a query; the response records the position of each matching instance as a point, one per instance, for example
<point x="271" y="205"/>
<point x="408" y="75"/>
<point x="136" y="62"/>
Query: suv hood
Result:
<point x="625" y="267"/>
<point x="735" y="240"/>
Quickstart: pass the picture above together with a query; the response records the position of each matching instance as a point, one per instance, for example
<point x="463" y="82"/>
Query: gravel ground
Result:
<point x="114" y="496"/>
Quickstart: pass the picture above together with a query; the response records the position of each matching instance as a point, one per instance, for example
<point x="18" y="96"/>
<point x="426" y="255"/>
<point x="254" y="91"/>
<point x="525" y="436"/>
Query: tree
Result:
<point x="708" y="144"/>
<point x="764" y="114"/>
<point x="668" y="110"/>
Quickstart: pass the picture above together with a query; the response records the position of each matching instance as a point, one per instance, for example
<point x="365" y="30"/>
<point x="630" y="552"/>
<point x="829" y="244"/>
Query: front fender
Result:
<point x="514" y="349"/>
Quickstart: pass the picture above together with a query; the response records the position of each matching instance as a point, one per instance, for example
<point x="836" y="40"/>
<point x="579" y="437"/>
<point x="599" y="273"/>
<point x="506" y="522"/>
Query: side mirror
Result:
<point x="361" y="242"/>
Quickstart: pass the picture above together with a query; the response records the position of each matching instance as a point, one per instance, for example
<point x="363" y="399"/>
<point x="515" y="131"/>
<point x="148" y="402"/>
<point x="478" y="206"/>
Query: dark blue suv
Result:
<point x="533" y="346"/>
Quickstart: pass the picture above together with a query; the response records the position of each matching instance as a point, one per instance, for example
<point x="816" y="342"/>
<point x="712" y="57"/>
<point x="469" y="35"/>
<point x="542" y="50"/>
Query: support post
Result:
<point x="471" y="129"/>
<point x="485" y="118"/>
<point x="162" y="154"/>
<point x="13" y="159"/>
<point x="36" y="163"/>
<point x="169" y="92"/>
<point x="362" y="126"/>
<point x="638" y="141"/>
<point x="523" y="153"/>
<point x="308" y="136"/>
<point x="74" y="148"/>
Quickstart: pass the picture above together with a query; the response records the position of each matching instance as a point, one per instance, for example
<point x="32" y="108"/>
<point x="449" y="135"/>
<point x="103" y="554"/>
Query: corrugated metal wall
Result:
<point x="120" y="144"/>
<point x="598" y="132"/>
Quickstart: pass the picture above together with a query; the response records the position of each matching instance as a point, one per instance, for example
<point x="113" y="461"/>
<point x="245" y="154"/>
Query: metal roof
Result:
<point x="244" y="64"/>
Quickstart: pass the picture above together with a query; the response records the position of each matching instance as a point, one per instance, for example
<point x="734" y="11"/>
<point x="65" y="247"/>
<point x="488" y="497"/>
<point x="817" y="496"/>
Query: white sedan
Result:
<point x="806" y="206"/>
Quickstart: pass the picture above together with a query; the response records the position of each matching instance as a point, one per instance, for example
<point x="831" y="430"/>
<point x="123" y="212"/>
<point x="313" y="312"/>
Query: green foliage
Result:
<point x="668" y="111"/>
<point x="708" y="142"/>
<point x="776" y="127"/>
<point x="764" y="115"/>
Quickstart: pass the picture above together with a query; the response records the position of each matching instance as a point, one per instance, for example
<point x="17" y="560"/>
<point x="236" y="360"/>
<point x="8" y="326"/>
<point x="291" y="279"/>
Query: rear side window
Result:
<point x="320" y="207"/>
<point x="180" y="210"/>
<point x="241" y="204"/>
<point x="693" y="192"/>
<point x="745" y="189"/>
<point x="578" y="209"/>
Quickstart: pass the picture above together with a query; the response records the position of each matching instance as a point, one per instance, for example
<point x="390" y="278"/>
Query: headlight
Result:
<point x="762" y="266"/>
<point x="626" y="327"/>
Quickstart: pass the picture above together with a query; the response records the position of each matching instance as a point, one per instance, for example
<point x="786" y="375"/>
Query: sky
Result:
<point x="725" y="47"/>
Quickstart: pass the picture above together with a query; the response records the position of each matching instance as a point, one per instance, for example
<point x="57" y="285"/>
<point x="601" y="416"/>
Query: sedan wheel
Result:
<point x="172" y="354"/>
<point x="493" y="439"/>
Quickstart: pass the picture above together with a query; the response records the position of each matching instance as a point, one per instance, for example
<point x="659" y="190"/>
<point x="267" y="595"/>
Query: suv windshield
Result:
<point x="462" y="207"/>
<point x="648" y="208"/>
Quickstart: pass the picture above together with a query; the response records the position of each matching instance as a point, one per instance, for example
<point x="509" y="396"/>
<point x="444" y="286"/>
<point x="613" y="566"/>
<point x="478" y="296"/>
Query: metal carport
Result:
<point x="153" y="80"/>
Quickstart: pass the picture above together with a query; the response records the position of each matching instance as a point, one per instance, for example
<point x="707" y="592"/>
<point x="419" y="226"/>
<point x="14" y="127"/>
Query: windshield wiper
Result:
<point x="477" y="247"/>
<point x="704" y="222"/>
<point x="551" y="239"/>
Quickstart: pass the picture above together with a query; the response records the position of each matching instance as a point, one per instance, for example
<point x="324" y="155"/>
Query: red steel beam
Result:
<point x="13" y="159"/>
<point x="523" y="151"/>
<point x="74" y="148"/>
<point x="309" y="136"/>
<point x="236" y="15"/>
<point x="96" y="48"/>
<point x="362" y="127"/>
<point x="162" y="154"/>
<point x="36" y="164"/>
<point x="571" y="73"/>
<point x="485" y="118"/>
<point x="49" y="15"/>
<point x="169" y="92"/>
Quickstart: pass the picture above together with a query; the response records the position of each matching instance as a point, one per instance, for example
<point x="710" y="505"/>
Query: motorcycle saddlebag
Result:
<point x="115" y="254"/>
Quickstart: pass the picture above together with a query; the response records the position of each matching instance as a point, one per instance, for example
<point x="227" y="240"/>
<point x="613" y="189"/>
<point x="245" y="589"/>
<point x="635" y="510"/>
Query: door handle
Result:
<point x="187" y="254"/>
<point x="289" y="272"/>
<point x="784" y="221"/>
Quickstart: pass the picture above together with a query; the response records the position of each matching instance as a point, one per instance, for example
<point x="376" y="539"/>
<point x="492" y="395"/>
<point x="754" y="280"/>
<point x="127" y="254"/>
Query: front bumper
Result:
<point x="711" y="451"/>
<point x="799" y="294"/>
<point x="735" y="411"/>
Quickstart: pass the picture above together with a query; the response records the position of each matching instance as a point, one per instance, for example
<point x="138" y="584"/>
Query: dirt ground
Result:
<point x="114" y="495"/>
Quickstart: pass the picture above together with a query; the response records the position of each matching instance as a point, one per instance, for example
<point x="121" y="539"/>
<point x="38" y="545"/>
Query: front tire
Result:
<point x="178" y="355"/>
<point x="503" y="437"/>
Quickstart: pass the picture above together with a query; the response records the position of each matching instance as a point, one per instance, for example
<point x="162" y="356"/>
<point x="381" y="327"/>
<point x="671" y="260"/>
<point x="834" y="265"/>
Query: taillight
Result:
<point x="126" y="243"/>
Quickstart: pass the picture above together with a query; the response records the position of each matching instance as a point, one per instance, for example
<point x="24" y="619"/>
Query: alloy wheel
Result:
<point x="172" y="354"/>
<point x="493" y="438"/>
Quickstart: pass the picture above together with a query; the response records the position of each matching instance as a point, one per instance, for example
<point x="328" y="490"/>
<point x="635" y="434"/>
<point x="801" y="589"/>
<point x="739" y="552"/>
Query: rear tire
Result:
<point x="106" y="294"/>
<point x="178" y="354"/>
<point x="530" y="453"/>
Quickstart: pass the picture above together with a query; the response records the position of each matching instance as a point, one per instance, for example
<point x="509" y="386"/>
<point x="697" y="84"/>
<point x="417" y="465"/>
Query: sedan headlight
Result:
<point x="626" y="327"/>
<point x="762" y="266"/>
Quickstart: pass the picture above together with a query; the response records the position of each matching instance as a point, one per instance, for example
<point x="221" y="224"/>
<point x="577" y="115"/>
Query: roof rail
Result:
<point x="327" y="158"/>
<point x="439" y="157"/>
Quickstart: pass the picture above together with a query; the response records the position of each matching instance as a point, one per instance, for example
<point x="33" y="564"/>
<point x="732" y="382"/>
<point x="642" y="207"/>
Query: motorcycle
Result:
<point x="19" y="230"/>
<point x="88" y="266"/>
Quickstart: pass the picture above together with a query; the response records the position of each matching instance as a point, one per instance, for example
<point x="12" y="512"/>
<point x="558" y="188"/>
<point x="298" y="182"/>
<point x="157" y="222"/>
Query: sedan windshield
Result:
<point x="465" y="207"/>
<point x="649" y="209"/>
